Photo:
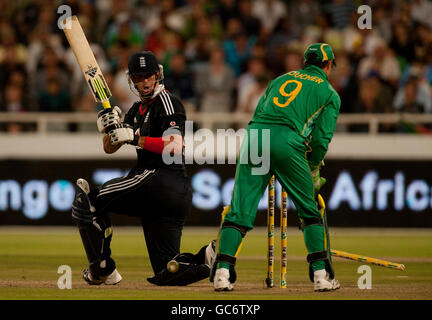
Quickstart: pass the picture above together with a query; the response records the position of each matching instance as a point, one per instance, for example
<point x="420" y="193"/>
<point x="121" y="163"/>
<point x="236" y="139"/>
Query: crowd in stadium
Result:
<point x="218" y="56"/>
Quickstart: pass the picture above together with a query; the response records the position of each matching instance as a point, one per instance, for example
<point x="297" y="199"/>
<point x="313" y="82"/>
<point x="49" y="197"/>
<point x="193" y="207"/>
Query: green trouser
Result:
<point x="288" y="163"/>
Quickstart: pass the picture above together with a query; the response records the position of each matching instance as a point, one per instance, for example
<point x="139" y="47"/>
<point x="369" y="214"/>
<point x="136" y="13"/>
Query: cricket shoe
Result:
<point x="221" y="280"/>
<point x="112" y="279"/>
<point x="322" y="282"/>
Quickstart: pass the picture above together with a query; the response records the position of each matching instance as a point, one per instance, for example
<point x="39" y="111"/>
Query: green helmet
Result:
<point x="319" y="52"/>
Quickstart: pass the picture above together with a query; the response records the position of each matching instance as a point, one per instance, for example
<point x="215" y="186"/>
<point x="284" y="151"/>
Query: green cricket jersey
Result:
<point x="305" y="101"/>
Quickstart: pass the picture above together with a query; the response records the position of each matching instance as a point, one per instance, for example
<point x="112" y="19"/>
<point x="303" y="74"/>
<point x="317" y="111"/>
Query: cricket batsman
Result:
<point x="155" y="190"/>
<point x="299" y="111"/>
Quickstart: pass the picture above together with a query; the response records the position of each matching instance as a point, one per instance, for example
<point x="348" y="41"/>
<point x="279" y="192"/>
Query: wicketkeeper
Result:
<point x="156" y="190"/>
<point x="299" y="111"/>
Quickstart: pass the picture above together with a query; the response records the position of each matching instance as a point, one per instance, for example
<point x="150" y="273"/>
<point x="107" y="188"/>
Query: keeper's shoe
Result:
<point x="112" y="279"/>
<point x="221" y="280"/>
<point x="325" y="284"/>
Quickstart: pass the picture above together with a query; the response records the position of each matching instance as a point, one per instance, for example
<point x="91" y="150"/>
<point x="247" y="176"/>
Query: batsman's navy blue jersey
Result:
<point x="153" y="119"/>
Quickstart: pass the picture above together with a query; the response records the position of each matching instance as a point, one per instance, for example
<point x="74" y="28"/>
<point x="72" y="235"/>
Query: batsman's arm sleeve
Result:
<point x="324" y="129"/>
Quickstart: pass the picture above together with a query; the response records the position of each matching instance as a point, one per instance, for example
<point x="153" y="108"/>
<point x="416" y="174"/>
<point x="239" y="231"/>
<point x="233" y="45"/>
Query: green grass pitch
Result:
<point x="30" y="258"/>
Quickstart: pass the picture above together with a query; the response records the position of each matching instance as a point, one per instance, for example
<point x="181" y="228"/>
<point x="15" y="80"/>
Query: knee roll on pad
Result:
<point x="243" y="230"/>
<point x="305" y="222"/>
<point x="82" y="209"/>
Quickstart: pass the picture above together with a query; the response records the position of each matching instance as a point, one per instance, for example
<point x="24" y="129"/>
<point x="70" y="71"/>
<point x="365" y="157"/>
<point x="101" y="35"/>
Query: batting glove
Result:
<point x="120" y="133"/>
<point x="108" y="117"/>
<point x="317" y="180"/>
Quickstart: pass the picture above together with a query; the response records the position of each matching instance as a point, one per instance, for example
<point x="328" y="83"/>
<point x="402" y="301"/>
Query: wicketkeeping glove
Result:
<point x="108" y="117"/>
<point x="317" y="180"/>
<point x="120" y="133"/>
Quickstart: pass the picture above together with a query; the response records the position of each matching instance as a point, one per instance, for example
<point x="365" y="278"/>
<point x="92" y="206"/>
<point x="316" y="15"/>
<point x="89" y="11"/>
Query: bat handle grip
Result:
<point x="106" y="104"/>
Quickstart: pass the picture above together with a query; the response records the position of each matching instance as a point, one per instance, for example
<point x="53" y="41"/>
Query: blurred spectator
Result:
<point x="175" y="15"/>
<point x="13" y="99"/>
<point x="13" y="102"/>
<point x="381" y="18"/>
<point x="422" y="41"/>
<point x="171" y="45"/>
<point x="238" y="51"/>
<point x="121" y="89"/>
<point x="302" y="14"/>
<point x="47" y="16"/>
<point x="255" y="92"/>
<point x="414" y="97"/>
<point x="422" y="11"/>
<point x="269" y="12"/>
<point x="233" y="27"/>
<point x="248" y="79"/>
<point x="148" y="13"/>
<point x="259" y="50"/>
<point x="123" y="34"/>
<point x="50" y="67"/>
<point x="226" y="9"/>
<point x="293" y="61"/>
<point x="39" y="39"/>
<point x="343" y="80"/>
<point x="281" y="37"/>
<point x="9" y="44"/>
<point x="13" y="55"/>
<point x="54" y="98"/>
<point x="198" y="49"/>
<point x="352" y="36"/>
<point x="26" y="18"/>
<point x="251" y="24"/>
<point x="321" y="31"/>
<point x="163" y="42"/>
<point x="198" y="16"/>
<point x="18" y="78"/>
<point x="382" y="62"/>
<point x="215" y="84"/>
<point x="374" y="97"/>
<point x="419" y="69"/>
<point x="339" y="12"/>
<point x="402" y="44"/>
<point x="179" y="80"/>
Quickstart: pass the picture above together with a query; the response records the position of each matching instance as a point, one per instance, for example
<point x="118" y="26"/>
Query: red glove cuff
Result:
<point x="155" y="145"/>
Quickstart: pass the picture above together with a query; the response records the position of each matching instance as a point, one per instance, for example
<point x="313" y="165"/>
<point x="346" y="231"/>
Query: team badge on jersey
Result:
<point x="172" y="123"/>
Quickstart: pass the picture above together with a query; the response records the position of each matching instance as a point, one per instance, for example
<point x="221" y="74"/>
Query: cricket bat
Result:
<point x="87" y="62"/>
